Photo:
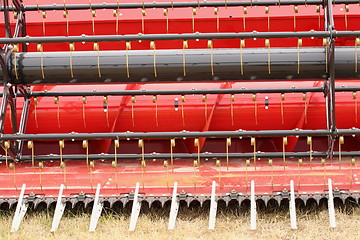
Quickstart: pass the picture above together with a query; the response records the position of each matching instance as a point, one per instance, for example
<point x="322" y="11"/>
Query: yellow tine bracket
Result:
<point x="153" y="47"/>
<point x="114" y="163"/>
<point x="85" y="144"/>
<point x="194" y="12"/>
<point x="354" y="96"/>
<point x="296" y="11"/>
<point x="154" y="99"/>
<point x="204" y="99"/>
<point x="66" y="16"/>
<point x="57" y="102"/>
<point x="245" y="11"/>
<point x="93" y="14"/>
<point x="210" y="45"/>
<point x="325" y="44"/>
<point x="41" y="166"/>
<point x="43" y="13"/>
<point x="298" y="48"/>
<point x="30" y="145"/>
<point x="185" y="46"/>
<point x="282" y="99"/>
<point x="143" y="161"/>
<point x="71" y="48"/>
<point x="133" y="101"/>
<point x="304" y="97"/>
<point x="106" y="109"/>
<point x="228" y="144"/>
<point x="309" y="142"/>
<point x="183" y="100"/>
<point x="15" y="50"/>
<point x="40" y="49"/>
<point x="216" y="12"/>
<point x="36" y="101"/>
<point x="267" y="44"/>
<point x="166" y="14"/>
<point x="197" y="144"/>
<point x="62" y="163"/>
<point x="253" y="143"/>
<point x="172" y="145"/>
<point x="271" y="164"/>
<point x="347" y="9"/>
<point x="352" y="164"/>
<point x="97" y="48"/>
<point x="232" y="100"/>
<point x="91" y="167"/>
<point x="255" y="108"/>
<point x="319" y="16"/>
<point x="242" y="45"/>
<point x="143" y="14"/>
<point x="285" y="142"/>
<point x="7" y="146"/>
<point x="84" y="102"/>
<point x="341" y="142"/>
<point x="127" y="48"/>
<point x="357" y="43"/>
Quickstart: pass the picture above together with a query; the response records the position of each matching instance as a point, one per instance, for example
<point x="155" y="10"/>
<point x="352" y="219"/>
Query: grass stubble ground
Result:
<point x="191" y="224"/>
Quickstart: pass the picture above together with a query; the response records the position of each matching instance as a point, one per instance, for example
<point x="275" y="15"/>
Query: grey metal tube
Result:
<point x="176" y="4"/>
<point x="167" y="135"/>
<point x="259" y="155"/>
<point x="169" y="65"/>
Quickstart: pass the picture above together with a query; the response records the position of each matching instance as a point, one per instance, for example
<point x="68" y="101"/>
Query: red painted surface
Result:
<point x="156" y="179"/>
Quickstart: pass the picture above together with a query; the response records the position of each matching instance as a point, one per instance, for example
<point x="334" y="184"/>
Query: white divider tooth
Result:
<point x="135" y="209"/>
<point x="252" y="207"/>
<point x="331" y="205"/>
<point x="213" y="206"/>
<point x="174" y="208"/>
<point x="59" y="210"/>
<point x="292" y="206"/>
<point x="20" y="211"/>
<point x="96" y="211"/>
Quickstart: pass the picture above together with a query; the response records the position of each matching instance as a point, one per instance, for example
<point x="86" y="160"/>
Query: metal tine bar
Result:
<point x="184" y="156"/>
<point x="331" y="205"/>
<point x="192" y="4"/>
<point x="174" y="209"/>
<point x="182" y="134"/>
<point x="213" y="206"/>
<point x="59" y="210"/>
<point x="292" y="207"/>
<point x="252" y="207"/>
<point x="183" y="36"/>
<point x="20" y="211"/>
<point x="97" y="209"/>
<point x="169" y="135"/>
<point x="186" y="92"/>
<point x="135" y="209"/>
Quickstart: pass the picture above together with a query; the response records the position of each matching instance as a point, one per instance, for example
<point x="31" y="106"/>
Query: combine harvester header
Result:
<point x="127" y="103"/>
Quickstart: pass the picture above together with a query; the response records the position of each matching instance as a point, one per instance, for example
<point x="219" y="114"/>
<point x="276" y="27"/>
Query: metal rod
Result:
<point x="192" y="4"/>
<point x="183" y="92"/>
<point x="161" y="156"/>
<point x="183" y="36"/>
<point x="166" y="135"/>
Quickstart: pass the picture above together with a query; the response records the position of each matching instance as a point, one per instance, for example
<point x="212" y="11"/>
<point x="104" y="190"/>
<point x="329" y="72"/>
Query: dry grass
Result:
<point x="190" y="225"/>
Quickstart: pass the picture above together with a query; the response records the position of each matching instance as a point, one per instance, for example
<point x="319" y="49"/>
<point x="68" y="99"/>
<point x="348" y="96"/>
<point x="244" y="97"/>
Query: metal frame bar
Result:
<point x="193" y="4"/>
<point x="183" y="36"/>
<point x="162" y="156"/>
<point x="330" y="83"/>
